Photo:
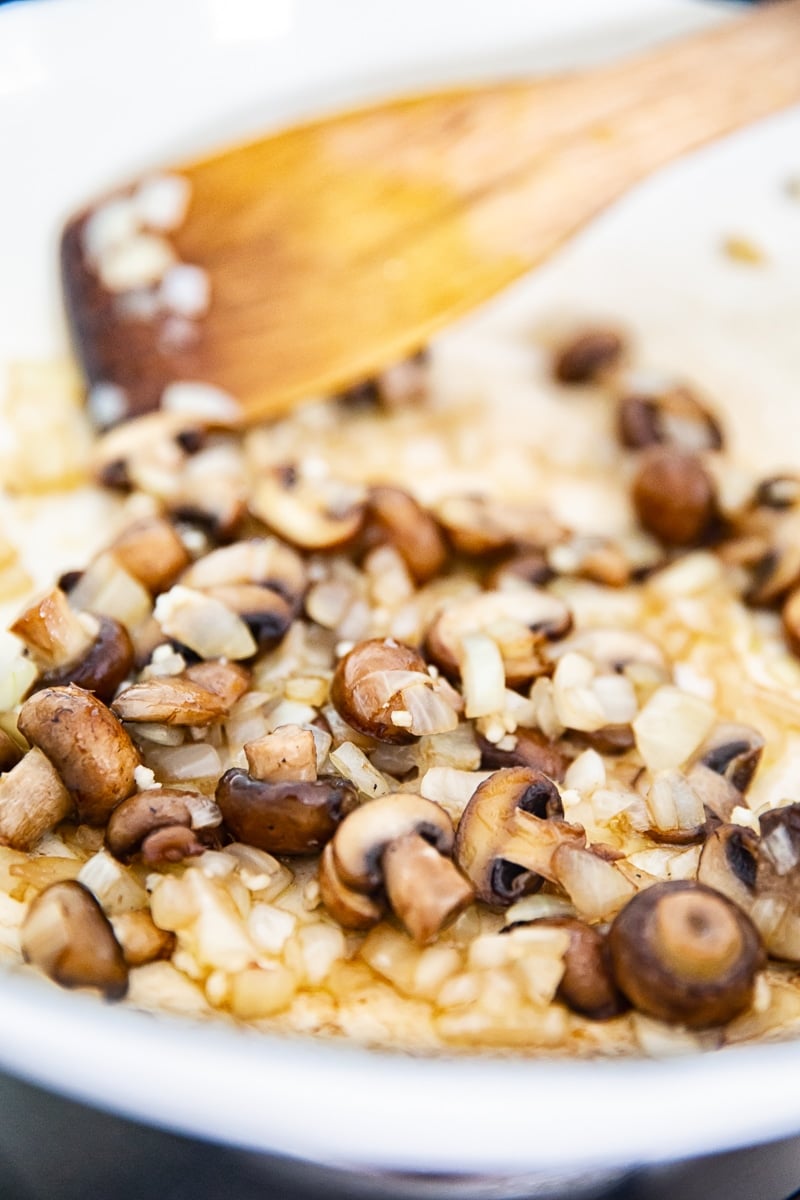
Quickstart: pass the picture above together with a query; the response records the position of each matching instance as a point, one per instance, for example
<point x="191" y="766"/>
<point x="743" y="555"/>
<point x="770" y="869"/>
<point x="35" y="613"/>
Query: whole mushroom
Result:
<point x="289" y="817"/>
<point x="684" y="953"/>
<point x="400" y="845"/>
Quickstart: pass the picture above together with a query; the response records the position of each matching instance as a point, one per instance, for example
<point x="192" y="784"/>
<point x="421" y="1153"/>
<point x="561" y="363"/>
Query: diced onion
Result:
<point x="671" y="726"/>
<point x="482" y="674"/>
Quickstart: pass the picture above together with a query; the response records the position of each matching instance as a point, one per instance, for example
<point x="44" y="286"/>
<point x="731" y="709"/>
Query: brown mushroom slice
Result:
<point x="426" y="890"/>
<point x="311" y="514"/>
<point x="151" y="551"/>
<point x="291" y="817"/>
<point x="590" y="556"/>
<point x="140" y="938"/>
<point x="509" y="832"/>
<point x="684" y="953"/>
<point x="169" y="700"/>
<point x="92" y="652"/>
<point x="33" y="800"/>
<point x="156" y="437"/>
<point x="144" y="813"/>
<point x="68" y="936"/>
<point x="477" y="525"/>
<point x="540" y="615"/>
<point x="723" y="768"/>
<point x="86" y="744"/>
<point x="531" y="569"/>
<point x="587" y="985"/>
<point x="613" y="650"/>
<point x="367" y="686"/>
<point x="395" y="516"/>
<point x="267" y="614"/>
<point x="672" y="417"/>
<point x="288" y="753"/>
<point x="230" y="681"/>
<point x="608" y="739"/>
<point x="532" y="750"/>
<point x="352" y="909"/>
<point x="729" y="862"/>
<point x="776" y="909"/>
<point x="268" y="562"/>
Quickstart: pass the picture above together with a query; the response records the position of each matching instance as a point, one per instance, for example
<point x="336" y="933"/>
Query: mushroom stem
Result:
<point x="32" y="800"/>
<point x="55" y="635"/>
<point x="532" y="842"/>
<point x="425" y="889"/>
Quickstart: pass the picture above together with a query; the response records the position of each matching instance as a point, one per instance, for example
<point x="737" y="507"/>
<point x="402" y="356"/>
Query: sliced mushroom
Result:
<point x="368" y="684"/>
<point x="291" y="817"/>
<point x="352" y="909"/>
<point x="32" y="800"/>
<point x="684" y="953"/>
<point x="673" y="417"/>
<point x="776" y="908"/>
<point x="509" y="832"/>
<point x="401" y="843"/>
<point x="94" y="653"/>
<point x="530" y="569"/>
<point x="588" y="355"/>
<point x="124" y="453"/>
<point x="86" y="744"/>
<point x="10" y="752"/>
<point x="729" y="862"/>
<point x="152" y="552"/>
<point x="614" y="650"/>
<point x="587" y="985"/>
<point x="532" y="750"/>
<point x="600" y="559"/>
<point x="140" y="938"/>
<point x="228" y="680"/>
<point x="674" y="496"/>
<point x="267" y="562"/>
<point x="267" y="614"/>
<point x="68" y="936"/>
<point x="766" y="544"/>
<point x="313" y="514"/>
<point x="520" y="621"/>
<point x="159" y="808"/>
<point x="608" y="739"/>
<point x="723" y="768"/>
<point x="169" y="700"/>
<point x="289" y="753"/>
<point x="394" y="516"/>
<point x="478" y="525"/>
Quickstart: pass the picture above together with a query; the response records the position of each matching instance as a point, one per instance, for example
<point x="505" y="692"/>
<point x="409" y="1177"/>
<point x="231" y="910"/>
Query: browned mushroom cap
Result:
<point x="32" y="800"/>
<point x="283" y="818"/>
<point x="157" y="808"/>
<point x="684" y="953"/>
<point x="587" y="356"/>
<point x="395" y="516"/>
<point x="401" y="842"/>
<point x="68" y="936"/>
<point x="169" y="700"/>
<point x="151" y="551"/>
<point x="268" y="562"/>
<point x="312" y="514"/>
<point x="265" y="612"/>
<point x="728" y="863"/>
<point x="587" y="985"/>
<point x="140" y="938"/>
<point x="86" y="744"/>
<point x="723" y="767"/>
<point x="94" y="653"/>
<point x="674" y="417"/>
<point x="367" y="685"/>
<point x="674" y="496"/>
<point x="509" y="832"/>
<point x="532" y="750"/>
<point x="539" y="613"/>
<point x="352" y="909"/>
<point x="478" y="525"/>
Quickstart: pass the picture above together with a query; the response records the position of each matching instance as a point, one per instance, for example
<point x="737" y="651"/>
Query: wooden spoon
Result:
<point x="339" y="246"/>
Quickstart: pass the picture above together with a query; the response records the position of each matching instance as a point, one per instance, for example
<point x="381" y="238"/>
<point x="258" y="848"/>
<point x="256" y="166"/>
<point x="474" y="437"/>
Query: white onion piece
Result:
<point x="595" y="887"/>
<point x="429" y="712"/>
<point x="106" y="588"/>
<point x="482" y="675"/>
<point x="354" y="765"/>
<point x="204" y="624"/>
<point x="117" y="890"/>
<point x="450" y="788"/>
<point x="194" y="761"/>
<point x="671" y="726"/>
